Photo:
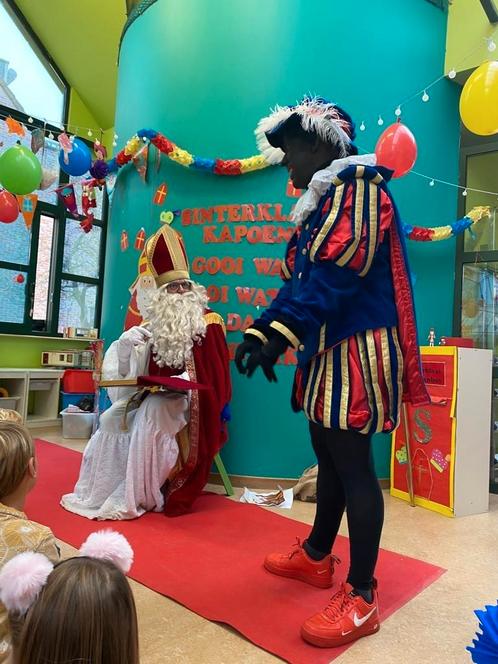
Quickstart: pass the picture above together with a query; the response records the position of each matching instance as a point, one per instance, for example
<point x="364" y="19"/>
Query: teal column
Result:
<point x="203" y="73"/>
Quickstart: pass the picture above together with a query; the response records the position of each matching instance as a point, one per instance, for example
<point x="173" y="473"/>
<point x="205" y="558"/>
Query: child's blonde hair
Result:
<point x="16" y="449"/>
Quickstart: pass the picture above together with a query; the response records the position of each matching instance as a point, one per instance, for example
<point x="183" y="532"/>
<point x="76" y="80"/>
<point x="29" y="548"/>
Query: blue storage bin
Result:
<point x="72" y="399"/>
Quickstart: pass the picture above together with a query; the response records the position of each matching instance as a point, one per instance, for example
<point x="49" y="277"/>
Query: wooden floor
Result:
<point x="434" y="628"/>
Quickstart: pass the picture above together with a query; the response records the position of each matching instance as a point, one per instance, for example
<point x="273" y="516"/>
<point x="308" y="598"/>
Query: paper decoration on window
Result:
<point x="66" y="146"/>
<point x="141" y="161"/>
<point x="37" y="140"/>
<point x="87" y="224"/>
<point x="15" y="127"/>
<point x="19" y="278"/>
<point x="124" y="241"/>
<point x="27" y="206"/>
<point x="68" y="197"/>
<point x="140" y="240"/>
<point x="88" y="196"/>
<point x="161" y="193"/>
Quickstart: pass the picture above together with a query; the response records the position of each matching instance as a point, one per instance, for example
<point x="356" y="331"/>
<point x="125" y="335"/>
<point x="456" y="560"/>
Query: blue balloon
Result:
<point x="79" y="160"/>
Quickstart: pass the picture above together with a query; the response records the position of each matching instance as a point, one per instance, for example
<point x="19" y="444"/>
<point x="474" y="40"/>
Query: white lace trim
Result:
<point x="322" y="180"/>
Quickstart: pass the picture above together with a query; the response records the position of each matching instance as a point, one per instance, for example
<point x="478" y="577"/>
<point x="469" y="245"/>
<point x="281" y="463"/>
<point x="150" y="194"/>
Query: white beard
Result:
<point x="145" y="291"/>
<point x="176" y="321"/>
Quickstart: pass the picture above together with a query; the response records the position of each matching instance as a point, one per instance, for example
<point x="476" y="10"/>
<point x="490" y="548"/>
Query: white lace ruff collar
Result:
<point x="322" y="180"/>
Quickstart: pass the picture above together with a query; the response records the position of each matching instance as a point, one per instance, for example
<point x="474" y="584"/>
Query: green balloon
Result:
<point x="20" y="170"/>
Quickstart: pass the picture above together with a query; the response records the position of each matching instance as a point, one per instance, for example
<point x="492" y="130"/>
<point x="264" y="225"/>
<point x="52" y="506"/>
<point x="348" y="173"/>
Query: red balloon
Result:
<point x="9" y="207"/>
<point x="19" y="279"/>
<point x="396" y="149"/>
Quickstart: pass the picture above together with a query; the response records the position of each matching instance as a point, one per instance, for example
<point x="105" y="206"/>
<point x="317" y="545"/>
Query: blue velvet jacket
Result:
<point x="345" y="272"/>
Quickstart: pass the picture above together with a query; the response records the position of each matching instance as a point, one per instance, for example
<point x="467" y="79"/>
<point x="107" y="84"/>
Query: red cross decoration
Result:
<point x="161" y="193"/>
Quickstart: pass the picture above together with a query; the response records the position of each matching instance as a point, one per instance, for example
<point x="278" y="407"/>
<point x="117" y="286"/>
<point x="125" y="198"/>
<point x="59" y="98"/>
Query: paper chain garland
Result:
<point x="185" y="158"/>
<point x="422" y="234"/>
<point x="258" y="162"/>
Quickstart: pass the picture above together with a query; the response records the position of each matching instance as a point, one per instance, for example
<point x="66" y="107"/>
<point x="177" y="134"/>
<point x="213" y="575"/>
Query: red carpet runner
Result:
<point x="210" y="561"/>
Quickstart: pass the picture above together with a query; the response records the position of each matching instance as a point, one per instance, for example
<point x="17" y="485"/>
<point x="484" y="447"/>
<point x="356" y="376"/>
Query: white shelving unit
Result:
<point x="36" y="392"/>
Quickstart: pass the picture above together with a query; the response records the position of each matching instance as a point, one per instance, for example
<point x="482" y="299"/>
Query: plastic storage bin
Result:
<point x="77" y="425"/>
<point x="74" y="398"/>
<point x="78" y="381"/>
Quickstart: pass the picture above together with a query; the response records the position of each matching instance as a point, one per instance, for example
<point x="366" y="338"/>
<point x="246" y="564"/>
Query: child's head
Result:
<point x="81" y="610"/>
<point x="17" y="459"/>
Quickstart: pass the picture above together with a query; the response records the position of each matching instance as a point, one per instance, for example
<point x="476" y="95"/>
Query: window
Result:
<point x="50" y="269"/>
<point x="28" y="82"/>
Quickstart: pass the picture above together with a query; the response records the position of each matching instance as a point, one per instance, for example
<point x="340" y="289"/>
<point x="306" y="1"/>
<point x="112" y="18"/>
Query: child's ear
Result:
<point x="32" y="467"/>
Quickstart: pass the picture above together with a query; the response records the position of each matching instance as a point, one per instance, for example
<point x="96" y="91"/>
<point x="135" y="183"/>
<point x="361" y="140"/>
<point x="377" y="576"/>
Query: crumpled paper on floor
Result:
<point x="280" y="498"/>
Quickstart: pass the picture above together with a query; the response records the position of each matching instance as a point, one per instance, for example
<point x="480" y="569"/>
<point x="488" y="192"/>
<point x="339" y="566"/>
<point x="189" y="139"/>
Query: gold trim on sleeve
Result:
<point x="288" y="334"/>
<point x="257" y="333"/>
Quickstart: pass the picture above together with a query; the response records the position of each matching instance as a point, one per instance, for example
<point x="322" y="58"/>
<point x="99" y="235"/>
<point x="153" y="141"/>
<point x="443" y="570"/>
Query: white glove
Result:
<point x="132" y="338"/>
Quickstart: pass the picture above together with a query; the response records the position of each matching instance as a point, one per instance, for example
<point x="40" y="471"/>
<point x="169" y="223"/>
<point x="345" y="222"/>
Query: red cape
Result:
<point x="207" y="431"/>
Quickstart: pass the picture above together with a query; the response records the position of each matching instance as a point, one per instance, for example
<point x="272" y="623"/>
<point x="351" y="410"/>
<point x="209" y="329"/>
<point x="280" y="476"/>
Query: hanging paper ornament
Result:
<point x="99" y="169"/>
<point x="27" y="205"/>
<point x="100" y="150"/>
<point x="87" y="224"/>
<point x="20" y="170"/>
<point x="37" y="140"/>
<point x="160" y="195"/>
<point x="79" y="159"/>
<point x="19" y="278"/>
<point x="68" y="197"/>
<point x="88" y="197"/>
<point x="397" y="149"/>
<point x="9" y="208"/>
<point x="50" y="174"/>
<point x="15" y="127"/>
<point x="140" y="160"/>
<point x="124" y="241"/>
<point x="66" y="146"/>
<point x="479" y="100"/>
<point x="140" y="240"/>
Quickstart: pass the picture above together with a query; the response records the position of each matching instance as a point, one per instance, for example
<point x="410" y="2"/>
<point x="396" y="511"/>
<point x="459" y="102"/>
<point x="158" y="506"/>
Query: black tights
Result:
<point x="347" y="480"/>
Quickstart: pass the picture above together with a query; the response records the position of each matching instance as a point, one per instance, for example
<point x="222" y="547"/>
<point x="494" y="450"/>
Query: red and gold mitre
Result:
<point x="166" y="256"/>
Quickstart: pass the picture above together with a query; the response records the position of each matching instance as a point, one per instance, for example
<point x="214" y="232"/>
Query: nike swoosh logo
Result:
<point x="321" y="571"/>
<point x="358" y="622"/>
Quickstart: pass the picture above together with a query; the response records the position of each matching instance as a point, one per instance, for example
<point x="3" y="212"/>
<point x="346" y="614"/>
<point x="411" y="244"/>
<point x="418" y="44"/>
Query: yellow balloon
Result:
<point x="479" y="100"/>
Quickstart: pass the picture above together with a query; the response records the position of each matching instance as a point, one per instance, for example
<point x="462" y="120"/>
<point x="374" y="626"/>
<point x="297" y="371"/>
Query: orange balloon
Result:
<point x="397" y="149"/>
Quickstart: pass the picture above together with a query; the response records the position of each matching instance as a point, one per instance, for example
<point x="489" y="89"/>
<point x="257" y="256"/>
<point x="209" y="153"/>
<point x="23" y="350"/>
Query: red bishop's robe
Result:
<point x="206" y="432"/>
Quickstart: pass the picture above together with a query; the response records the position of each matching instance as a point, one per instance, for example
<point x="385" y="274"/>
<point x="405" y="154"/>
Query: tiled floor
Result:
<point x="435" y="627"/>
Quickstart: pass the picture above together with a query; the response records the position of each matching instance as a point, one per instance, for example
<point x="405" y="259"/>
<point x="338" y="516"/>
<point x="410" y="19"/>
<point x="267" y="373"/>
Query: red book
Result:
<point x="171" y="382"/>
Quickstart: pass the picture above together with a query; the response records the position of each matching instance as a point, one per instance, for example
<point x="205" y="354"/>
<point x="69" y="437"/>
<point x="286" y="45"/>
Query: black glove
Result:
<point x="267" y="356"/>
<point x="249" y="346"/>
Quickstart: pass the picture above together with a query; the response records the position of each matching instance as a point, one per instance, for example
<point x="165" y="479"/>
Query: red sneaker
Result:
<point x="347" y="618"/>
<point x="298" y="565"/>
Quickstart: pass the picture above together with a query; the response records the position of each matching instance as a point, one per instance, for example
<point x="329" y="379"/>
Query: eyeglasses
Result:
<point x="177" y="286"/>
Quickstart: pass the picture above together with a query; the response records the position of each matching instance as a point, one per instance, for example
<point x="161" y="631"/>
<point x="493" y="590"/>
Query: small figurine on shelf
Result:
<point x="432" y="337"/>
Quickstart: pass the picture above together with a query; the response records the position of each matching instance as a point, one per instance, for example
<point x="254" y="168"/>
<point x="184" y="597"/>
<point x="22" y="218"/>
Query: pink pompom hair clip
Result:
<point x="23" y="577"/>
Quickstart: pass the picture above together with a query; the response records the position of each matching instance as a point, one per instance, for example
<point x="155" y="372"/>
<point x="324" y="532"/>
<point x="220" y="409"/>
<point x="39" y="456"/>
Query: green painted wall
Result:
<point x="204" y="78"/>
<point x="79" y="116"/>
<point x="20" y="352"/>
<point x="468" y="28"/>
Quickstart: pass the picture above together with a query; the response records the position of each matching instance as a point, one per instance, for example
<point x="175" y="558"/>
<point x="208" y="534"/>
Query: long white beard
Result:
<point x="176" y="321"/>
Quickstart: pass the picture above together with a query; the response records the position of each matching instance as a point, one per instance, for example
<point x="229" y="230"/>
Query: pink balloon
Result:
<point x="9" y="207"/>
<point x="396" y="149"/>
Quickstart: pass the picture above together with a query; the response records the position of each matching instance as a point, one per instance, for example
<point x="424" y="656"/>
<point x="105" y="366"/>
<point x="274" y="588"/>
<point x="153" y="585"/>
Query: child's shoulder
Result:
<point x="18" y="534"/>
